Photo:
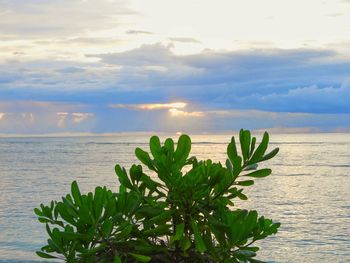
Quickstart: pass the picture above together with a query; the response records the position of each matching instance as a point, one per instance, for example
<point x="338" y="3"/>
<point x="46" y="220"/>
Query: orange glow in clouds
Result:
<point x="174" y="108"/>
<point x="152" y="106"/>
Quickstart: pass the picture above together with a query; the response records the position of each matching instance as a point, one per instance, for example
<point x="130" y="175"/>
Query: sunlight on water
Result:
<point x="308" y="191"/>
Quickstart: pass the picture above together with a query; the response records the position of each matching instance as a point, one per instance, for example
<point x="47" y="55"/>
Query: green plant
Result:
<point x="184" y="212"/>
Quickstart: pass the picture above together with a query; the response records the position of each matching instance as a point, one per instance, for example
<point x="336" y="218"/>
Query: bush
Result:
<point x="186" y="213"/>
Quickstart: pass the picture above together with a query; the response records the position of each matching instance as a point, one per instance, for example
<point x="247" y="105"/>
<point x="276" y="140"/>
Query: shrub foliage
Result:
<point x="183" y="210"/>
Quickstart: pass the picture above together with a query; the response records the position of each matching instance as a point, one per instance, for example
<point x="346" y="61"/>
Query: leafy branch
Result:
<point x="184" y="214"/>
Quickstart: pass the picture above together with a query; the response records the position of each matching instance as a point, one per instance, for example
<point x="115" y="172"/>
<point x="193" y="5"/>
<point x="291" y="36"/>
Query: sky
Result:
<point x="195" y="66"/>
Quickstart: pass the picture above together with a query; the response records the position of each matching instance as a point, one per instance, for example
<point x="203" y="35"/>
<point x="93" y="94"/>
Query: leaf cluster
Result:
<point x="183" y="210"/>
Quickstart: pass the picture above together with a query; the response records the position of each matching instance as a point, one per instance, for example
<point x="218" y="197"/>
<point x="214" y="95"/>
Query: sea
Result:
<point x="308" y="191"/>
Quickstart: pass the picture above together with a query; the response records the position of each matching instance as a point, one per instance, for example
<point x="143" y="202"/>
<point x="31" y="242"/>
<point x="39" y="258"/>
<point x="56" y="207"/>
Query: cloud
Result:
<point x="138" y="32"/>
<point x="25" y="106"/>
<point x="40" y="117"/>
<point x="24" y="18"/>
<point x="306" y="99"/>
<point x="62" y="116"/>
<point x="151" y="106"/>
<point x="176" y="113"/>
<point x="301" y="80"/>
<point x="289" y="130"/>
<point x="145" y="81"/>
<point x="80" y="116"/>
<point x="174" y="108"/>
<point x="244" y="79"/>
<point x="71" y="70"/>
<point x="28" y="116"/>
<point x="47" y="117"/>
<point x="184" y="39"/>
<point x="75" y="118"/>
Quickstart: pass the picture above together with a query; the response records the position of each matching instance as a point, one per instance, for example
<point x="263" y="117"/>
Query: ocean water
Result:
<point x="308" y="192"/>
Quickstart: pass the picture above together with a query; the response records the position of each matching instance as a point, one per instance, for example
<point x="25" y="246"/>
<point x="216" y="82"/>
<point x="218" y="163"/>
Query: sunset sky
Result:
<point x="195" y="66"/>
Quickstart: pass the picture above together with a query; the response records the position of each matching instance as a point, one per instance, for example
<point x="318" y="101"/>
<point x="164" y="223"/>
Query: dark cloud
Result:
<point x="306" y="99"/>
<point x="301" y="80"/>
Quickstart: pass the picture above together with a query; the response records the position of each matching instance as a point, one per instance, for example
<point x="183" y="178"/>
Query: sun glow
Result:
<point x="152" y="106"/>
<point x="175" y="112"/>
<point x="2" y="115"/>
<point x="175" y="105"/>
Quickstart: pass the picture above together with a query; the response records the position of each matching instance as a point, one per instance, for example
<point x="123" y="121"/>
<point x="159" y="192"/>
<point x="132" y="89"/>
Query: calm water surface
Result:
<point x="308" y="192"/>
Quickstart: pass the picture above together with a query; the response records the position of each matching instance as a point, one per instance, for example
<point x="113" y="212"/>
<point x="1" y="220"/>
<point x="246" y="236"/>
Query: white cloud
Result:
<point x="43" y="117"/>
<point x="80" y="116"/>
<point x="179" y="113"/>
<point x="62" y="116"/>
<point x="75" y="117"/>
<point x="184" y="39"/>
<point x="137" y="32"/>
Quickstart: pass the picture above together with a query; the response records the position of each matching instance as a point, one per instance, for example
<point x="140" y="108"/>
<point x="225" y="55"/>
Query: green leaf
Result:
<point x="183" y="148"/>
<point x="234" y="158"/>
<point x="135" y="172"/>
<point x="76" y="193"/>
<point x="270" y="154"/>
<point x="63" y="211"/>
<point x="169" y="146"/>
<point x="179" y="231"/>
<point x="244" y="138"/>
<point x="241" y="196"/>
<point x="185" y="243"/>
<point x="245" y="183"/>
<point x="159" y="230"/>
<point x="98" y="201"/>
<point x="244" y="254"/>
<point x="251" y="220"/>
<point x="229" y="166"/>
<point x="74" y="236"/>
<point x="44" y="255"/>
<point x="155" y="146"/>
<point x="232" y="149"/>
<point x="107" y="227"/>
<point x="140" y="258"/>
<point x="252" y="145"/>
<point x="149" y="183"/>
<point x="199" y="243"/>
<point x="144" y="158"/>
<point x="117" y="260"/>
<point x="260" y="151"/>
<point x="38" y="212"/>
<point x="123" y="177"/>
<point x="161" y="218"/>
<point x="96" y="249"/>
<point x="54" y="246"/>
<point x="260" y="173"/>
<point x="125" y="232"/>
